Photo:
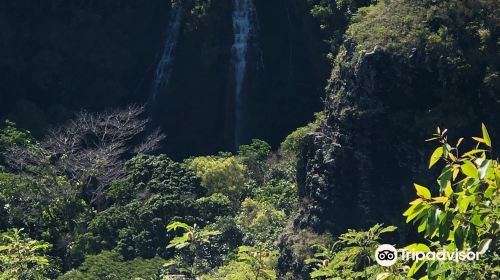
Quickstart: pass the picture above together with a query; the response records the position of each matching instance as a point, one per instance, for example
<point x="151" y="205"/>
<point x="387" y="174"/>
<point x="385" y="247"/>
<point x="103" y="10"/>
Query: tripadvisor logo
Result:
<point x="387" y="255"/>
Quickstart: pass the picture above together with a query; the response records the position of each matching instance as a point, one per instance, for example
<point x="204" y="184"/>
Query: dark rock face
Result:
<point x="285" y="77"/>
<point x="192" y="108"/>
<point x="57" y="57"/>
<point x="358" y="168"/>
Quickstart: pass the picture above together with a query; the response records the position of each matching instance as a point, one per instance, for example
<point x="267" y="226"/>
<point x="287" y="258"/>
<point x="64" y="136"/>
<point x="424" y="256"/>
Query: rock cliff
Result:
<point x="387" y="93"/>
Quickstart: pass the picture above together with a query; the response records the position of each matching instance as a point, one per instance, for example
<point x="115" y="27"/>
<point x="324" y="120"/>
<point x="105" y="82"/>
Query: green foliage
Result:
<point x="293" y="142"/>
<point x="191" y="238"/>
<point x="22" y="258"/>
<point x="45" y="205"/>
<point x="252" y="263"/>
<point x="190" y="247"/>
<point x="110" y="265"/>
<point x="257" y="151"/>
<point x="254" y="157"/>
<point x="220" y="174"/>
<point x="155" y="191"/>
<point x="291" y="145"/>
<point x="280" y="193"/>
<point x="463" y="37"/>
<point x="394" y="24"/>
<point x="333" y="17"/>
<point x="463" y="213"/>
<point x="147" y="175"/>
<point x="261" y="223"/>
<point x="352" y="257"/>
<point x="213" y="206"/>
<point x="10" y="135"/>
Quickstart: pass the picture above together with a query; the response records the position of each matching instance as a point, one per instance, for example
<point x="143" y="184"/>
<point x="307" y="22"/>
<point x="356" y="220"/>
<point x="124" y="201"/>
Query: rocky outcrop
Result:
<point x="357" y="169"/>
<point x="57" y="57"/>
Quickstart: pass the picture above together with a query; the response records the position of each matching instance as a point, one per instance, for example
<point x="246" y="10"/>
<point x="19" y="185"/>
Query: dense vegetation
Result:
<point x="245" y="198"/>
<point x="105" y="195"/>
<point x="233" y="209"/>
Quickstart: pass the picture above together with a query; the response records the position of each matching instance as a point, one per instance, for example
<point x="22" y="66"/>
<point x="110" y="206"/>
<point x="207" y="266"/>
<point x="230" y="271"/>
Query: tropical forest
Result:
<point x="249" y="139"/>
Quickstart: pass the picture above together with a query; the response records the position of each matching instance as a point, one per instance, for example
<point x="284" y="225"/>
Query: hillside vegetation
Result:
<point x="96" y="197"/>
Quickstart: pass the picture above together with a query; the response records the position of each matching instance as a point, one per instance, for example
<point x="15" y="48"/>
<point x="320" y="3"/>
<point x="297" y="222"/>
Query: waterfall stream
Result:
<point x="244" y="27"/>
<point x="164" y="67"/>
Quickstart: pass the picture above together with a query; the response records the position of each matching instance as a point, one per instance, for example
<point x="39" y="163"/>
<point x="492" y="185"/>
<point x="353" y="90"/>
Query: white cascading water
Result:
<point x="244" y="17"/>
<point x="164" y="67"/>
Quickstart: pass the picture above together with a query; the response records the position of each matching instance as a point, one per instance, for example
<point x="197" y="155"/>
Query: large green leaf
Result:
<point x="417" y="247"/>
<point x="469" y="169"/>
<point x="388" y="229"/>
<point x="436" y="155"/>
<point x="445" y="226"/>
<point x="483" y="169"/>
<point x="459" y="236"/>
<point x="464" y="202"/>
<point x="445" y="177"/>
<point x="448" y="191"/>
<point x="175" y="225"/>
<point x="422" y="191"/>
<point x="486" y="136"/>
<point x="417" y="211"/>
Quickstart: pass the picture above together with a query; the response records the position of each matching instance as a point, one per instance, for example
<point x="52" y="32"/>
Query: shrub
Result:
<point x="251" y="263"/>
<point x="110" y="265"/>
<point x="22" y="257"/>
<point x="463" y="212"/>
<point x="352" y="257"/>
<point x="220" y="174"/>
<point x="261" y="222"/>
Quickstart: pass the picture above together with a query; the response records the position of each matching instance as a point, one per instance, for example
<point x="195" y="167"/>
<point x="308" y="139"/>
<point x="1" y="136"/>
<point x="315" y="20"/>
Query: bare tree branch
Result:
<point x="90" y="149"/>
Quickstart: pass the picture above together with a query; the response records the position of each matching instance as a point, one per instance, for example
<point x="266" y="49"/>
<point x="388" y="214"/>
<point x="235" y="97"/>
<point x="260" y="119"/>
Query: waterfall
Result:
<point x="164" y="67"/>
<point x="244" y="27"/>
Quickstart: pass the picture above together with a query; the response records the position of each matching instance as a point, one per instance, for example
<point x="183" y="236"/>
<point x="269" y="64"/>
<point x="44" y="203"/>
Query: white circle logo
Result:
<point x="386" y="255"/>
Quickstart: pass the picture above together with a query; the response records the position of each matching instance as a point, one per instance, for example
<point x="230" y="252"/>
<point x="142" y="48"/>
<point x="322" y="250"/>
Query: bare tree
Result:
<point x="91" y="149"/>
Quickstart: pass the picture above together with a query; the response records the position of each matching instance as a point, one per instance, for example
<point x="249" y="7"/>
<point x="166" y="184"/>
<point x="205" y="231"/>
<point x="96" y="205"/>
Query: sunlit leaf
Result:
<point x="448" y="191"/>
<point x="436" y="155"/>
<point x="422" y="191"/>
<point x="484" y="246"/>
<point x="444" y="178"/>
<point x="417" y="247"/>
<point x="489" y="192"/>
<point x="486" y="135"/>
<point x="416" y="201"/>
<point x="469" y="169"/>
<point x="422" y="226"/>
<point x="440" y="199"/>
<point x="479" y="139"/>
<point x="473" y="152"/>
<point x="483" y="168"/>
<point x="417" y="211"/>
<point x="464" y="202"/>
<point x="388" y="229"/>
<point x="455" y="173"/>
